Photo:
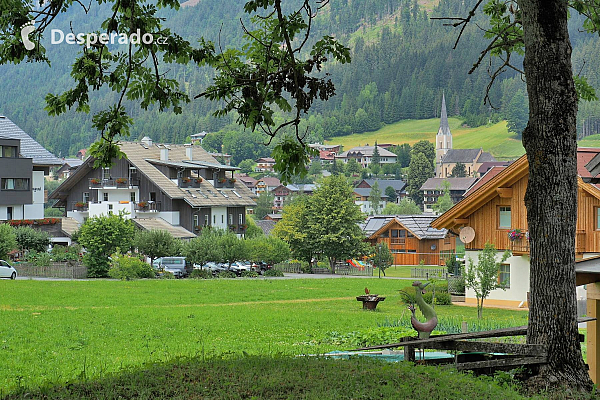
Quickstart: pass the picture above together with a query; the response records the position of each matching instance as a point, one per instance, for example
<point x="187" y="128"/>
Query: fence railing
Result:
<point x="54" y="270"/>
<point x="344" y="269"/>
<point x="429" y="273"/>
<point x="290" y="268"/>
<point x="456" y="285"/>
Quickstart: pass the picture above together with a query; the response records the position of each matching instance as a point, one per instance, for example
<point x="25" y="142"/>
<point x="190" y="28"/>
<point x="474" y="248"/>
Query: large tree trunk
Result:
<point x="551" y="198"/>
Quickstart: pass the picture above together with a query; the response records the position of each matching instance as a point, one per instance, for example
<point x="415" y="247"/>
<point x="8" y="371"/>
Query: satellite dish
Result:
<point x="433" y="247"/>
<point x="467" y="234"/>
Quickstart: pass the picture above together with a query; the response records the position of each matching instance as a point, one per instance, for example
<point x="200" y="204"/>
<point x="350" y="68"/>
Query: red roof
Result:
<point x="584" y="156"/>
<point x="270" y="181"/>
<point x="492" y="172"/>
<point x="326" y="155"/>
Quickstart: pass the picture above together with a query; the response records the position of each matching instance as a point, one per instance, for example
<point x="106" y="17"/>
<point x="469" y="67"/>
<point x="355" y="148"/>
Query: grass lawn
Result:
<point x="53" y="332"/>
<point x="493" y="138"/>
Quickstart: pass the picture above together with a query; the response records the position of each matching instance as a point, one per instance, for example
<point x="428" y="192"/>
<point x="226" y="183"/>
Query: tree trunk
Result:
<point x="551" y="198"/>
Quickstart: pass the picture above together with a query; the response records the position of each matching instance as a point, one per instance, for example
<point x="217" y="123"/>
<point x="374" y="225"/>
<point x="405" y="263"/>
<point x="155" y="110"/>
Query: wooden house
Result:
<point x="411" y="239"/>
<point x="497" y="208"/>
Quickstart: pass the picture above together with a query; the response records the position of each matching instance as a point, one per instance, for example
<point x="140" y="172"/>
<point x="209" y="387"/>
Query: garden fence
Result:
<point x="290" y="268"/>
<point x="429" y="273"/>
<point x="456" y="285"/>
<point x="54" y="270"/>
<point x="345" y="269"/>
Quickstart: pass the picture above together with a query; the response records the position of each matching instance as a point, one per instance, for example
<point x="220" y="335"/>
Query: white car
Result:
<point x="7" y="271"/>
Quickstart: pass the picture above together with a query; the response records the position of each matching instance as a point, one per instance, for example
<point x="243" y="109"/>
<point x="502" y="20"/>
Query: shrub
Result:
<point x="442" y="297"/>
<point x="41" y="259"/>
<point x="250" y="274"/>
<point x="273" y="272"/>
<point x="167" y="275"/>
<point x="125" y="267"/>
<point x="226" y="274"/>
<point x="201" y="274"/>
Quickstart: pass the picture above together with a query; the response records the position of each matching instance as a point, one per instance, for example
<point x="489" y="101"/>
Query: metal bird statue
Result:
<point x="367" y="291"/>
<point x="424" y="329"/>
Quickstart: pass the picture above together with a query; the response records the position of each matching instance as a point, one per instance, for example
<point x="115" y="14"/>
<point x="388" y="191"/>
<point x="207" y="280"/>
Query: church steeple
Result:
<point x="443" y="140"/>
<point x="444" y="127"/>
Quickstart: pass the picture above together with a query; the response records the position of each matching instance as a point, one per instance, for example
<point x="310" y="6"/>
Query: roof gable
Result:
<point x="29" y="147"/>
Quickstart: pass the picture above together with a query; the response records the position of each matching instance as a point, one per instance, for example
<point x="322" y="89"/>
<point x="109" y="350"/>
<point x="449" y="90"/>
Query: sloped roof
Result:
<point x="69" y="226"/>
<point x="455" y="183"/>
<point x="366" y="151"/>
<point x="305" y="188"/>
<point x="486" y="177"/>
<point x="366" y="192"/>
<point x="418" y="225"/>
<point x="162" y="225"/>
<point x="270" y="181"/>
<point x="397" y="184"/>
<point x="444" y="127"/>
<point x="266" y="225"/>
<point x="466" y="156"/>
<point x="29" y="147"/>
<point x="487" y="165"/>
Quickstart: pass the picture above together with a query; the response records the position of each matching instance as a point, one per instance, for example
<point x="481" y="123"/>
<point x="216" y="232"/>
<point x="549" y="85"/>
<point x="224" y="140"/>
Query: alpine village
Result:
<point x="315" y="199"/>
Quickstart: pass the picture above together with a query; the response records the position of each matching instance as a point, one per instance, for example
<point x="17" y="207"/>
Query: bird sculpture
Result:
<point x="424" y="329"/>
<point x="367" y="291"/>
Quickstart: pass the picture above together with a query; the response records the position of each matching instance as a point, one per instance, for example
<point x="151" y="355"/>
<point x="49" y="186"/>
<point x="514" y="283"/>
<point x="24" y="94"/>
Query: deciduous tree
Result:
<point x="156" y="243"/>
<point x="420" y="169"/>
<point x="406" y="207"/>
<point x="8" y="240"/>
<point x="444" y="202"/>
<point x="375" y="198"/>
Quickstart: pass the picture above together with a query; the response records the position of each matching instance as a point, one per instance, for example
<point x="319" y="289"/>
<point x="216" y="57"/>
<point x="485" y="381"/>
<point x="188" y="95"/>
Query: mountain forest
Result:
<point x="402" y="63"/>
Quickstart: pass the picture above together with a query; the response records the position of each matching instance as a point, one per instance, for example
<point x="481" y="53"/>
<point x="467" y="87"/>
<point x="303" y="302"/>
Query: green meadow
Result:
<point x="54" y="332"/>
<point x="493" y="138"/>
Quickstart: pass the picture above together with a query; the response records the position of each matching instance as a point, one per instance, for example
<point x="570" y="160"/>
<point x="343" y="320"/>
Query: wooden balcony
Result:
<point x="398" y="241"/>
<point x="96" y="183"/>
<point x="520" y="246"/>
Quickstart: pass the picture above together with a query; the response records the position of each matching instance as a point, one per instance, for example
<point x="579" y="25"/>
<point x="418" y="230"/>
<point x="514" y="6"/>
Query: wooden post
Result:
<point x="593" y="350"/>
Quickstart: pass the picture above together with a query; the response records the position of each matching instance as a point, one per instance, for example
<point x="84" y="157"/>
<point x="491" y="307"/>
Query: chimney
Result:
<point x="164" y="154"/>
<point x="189" y="151"/>
<point x="147" y="141"/>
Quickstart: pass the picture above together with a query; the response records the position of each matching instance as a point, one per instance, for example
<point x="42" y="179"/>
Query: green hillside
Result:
<point x="590" y="141"/>
<point x="493" y="138"/>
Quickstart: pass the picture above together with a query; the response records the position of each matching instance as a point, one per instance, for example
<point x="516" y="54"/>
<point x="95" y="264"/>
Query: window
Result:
<point x="230" y="219"/>
<point x="504" y="218"/>
<point x="8" y="151"/>
<point x="206" y="220"/>
<point x="504" y="275"/>
<point x="240" y="219"/>
<point x="598" y="218"/>
<point x="15" y="183"/>
<point x="86" y="197"/>
<point x="214" y="219"/>
<point x="132" y="196"/>
<point x="222" y="218"/>
<point x="106" y="173"/>
<point x="196" y="220"/>
<point x="104" y="196"/>
<point x="9" y="213"/>
<point x="409" y="234"/>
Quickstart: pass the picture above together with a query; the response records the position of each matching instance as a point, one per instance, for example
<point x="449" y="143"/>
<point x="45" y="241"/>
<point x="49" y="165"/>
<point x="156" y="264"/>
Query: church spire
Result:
<point x="444" y="127"/>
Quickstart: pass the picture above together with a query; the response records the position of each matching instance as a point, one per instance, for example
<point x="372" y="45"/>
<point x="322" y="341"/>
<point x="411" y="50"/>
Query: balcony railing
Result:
<point x="96" y="183"/>
<point x="519" y="246"/>
<point x="80" y="206"/>
<point x="189" y="182"/>
<point x="398" y="240"/>
<point x="148" y="206"/>
<point x="224" y="183"/>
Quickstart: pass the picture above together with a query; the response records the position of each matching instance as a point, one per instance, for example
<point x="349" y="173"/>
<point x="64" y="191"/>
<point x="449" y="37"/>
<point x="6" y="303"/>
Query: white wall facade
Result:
<point x="219" y="217"/>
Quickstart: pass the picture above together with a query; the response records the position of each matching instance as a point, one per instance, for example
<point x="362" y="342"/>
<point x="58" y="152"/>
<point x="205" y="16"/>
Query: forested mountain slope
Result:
<point x="402" y="62"/>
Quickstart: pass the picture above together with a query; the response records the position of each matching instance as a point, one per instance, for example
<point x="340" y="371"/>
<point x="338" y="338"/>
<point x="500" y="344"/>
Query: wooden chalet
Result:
<point x="411" y="239"/>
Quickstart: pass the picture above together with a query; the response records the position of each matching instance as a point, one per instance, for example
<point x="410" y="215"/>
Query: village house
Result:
<point x="23" y="164"/>
<point x="197" y="138"/>
<point x="362" y="198"/>
<point x="177" y="188"/>
<point x="70" y="164"/>
<point x="247" y="180"/>
<point x="495" y="212"/>
<point x="265" y="164"/>
<point x="364" y="155"/>
<point x="410" y="238"/>
<point x="432" y="189"/>
<point x="281" y="193"/>
<point x="267" y="184"/>
<point x="398" y="185"/>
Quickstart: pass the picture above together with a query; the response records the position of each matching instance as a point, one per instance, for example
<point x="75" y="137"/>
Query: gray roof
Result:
<point x="397" y="184"/>
<point x="444" y="127"/>
<point x="73" y="162"/>
<point x="29" y="147"/>
<point x="367" y="151"/>
<point x="455" y="183"/>
<point x="466" y="156"/>
<point x="305" y="188"/>
<point x="419" y="225"/>
<point x="366" y="192"/>
<point x="266" y="225"/>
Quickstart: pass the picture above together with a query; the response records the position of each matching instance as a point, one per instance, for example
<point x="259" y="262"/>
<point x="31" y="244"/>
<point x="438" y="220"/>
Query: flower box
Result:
<point x="515" y="234"/>
<point x="79" y="204"/>
<point x="94" y="181"/>
<point x="185" y="180"/>
<point x="198" y="180"/>
<point x="121" y="181"/>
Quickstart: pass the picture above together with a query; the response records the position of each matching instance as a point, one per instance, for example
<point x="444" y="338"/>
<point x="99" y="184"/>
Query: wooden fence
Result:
<point x="290" y="268"/>
<point x="345" y="269"/>
<point x="429" y="273"/>
<point x="54" y="270"/>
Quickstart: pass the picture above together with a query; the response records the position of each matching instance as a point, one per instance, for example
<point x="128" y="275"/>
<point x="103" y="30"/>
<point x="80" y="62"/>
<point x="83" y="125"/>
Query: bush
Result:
<point x="201" y="274"/>
<point x="249" y="274"/>
<point x="41" y="259"/>
<point x="226" y="274"/>
<point x="64" y="253"/>
<point x="126" y="268"/>
<point x="167" y="275"/>
<point x="273" y="272"/>
<point x="442" y="297"/>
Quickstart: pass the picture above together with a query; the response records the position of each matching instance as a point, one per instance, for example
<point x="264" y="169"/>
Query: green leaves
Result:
<point x="291" y="159"/>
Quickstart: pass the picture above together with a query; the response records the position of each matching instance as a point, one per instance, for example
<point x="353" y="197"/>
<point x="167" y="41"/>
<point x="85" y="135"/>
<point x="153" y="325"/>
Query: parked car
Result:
<point x="7" y="270"/>
<point x="239" y="267"/>
<point x="174" y="265"/>
<point x="261" y="267"/>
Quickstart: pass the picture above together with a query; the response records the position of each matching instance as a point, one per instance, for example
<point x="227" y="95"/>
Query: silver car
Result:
<point x="7" y="271"/>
